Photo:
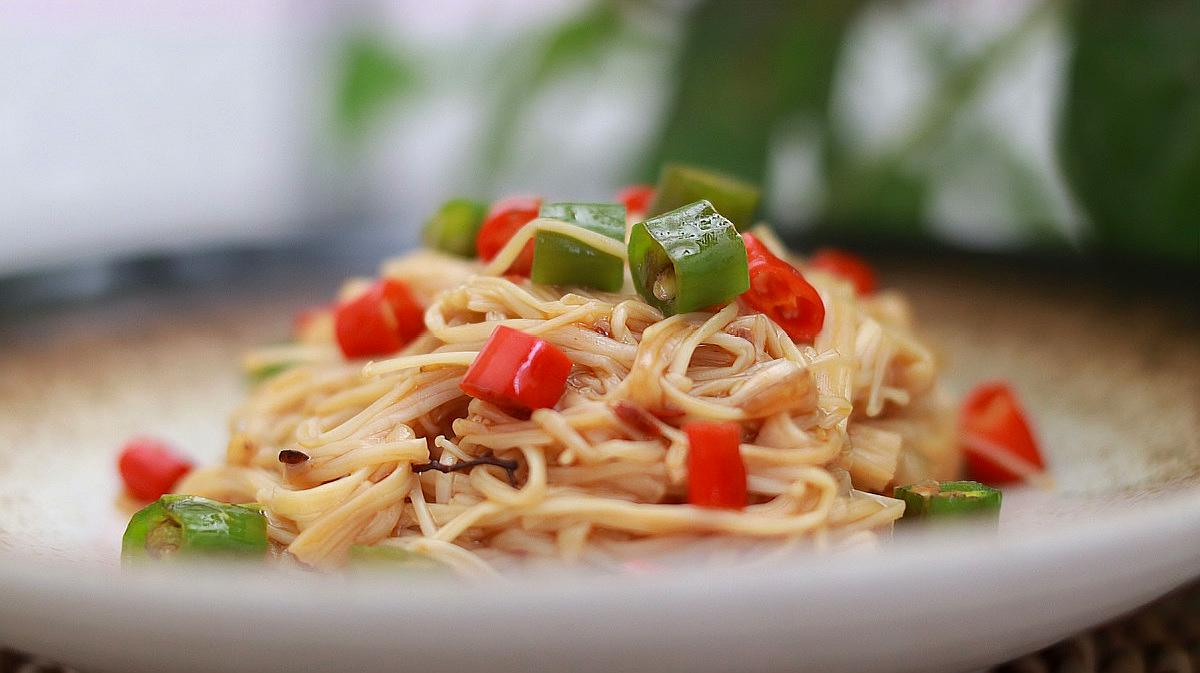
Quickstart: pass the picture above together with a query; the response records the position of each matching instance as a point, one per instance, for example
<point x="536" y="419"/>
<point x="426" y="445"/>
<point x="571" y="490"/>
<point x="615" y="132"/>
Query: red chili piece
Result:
<point x="716" y="473"/>
<point x="516" y="370"/>
<point x="637" y="199"/>
<point x="997" y="441"/>
<point x="851" y="267"/>
<point x="778" y="290"/>
<point x="504" y="219"/>
<point x="379" y="321"/>
<point x="150" y="467"/>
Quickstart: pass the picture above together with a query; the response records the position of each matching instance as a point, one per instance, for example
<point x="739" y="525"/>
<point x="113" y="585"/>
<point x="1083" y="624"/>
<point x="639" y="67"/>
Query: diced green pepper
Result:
<point x="260" y="374"/>
<point x="949" y="500"/>
<point x="382" y="556"/>
<point x="687" y="259"/>
<point x="679" y="185"/>
<point x="189" y="526"/>
<point x="454" y="226"/>
<point x="562" y="260"/>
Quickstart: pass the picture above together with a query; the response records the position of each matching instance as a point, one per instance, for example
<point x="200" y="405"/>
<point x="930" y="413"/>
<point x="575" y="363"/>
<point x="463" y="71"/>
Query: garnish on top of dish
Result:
<point x="587" y="382"/>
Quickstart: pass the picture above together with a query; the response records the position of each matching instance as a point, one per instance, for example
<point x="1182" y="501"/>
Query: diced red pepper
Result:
<point x="518" y="371"/>
<point x="504" y="219"/>
<point x="379" y="321"/>
<point x="637" y="199"/>
<point x="778" y="290"/>
<point x="716" y="473"/>
<point x="150" y="467"/>
<point x="851" y="267"/>
<point x="997" y="441"/>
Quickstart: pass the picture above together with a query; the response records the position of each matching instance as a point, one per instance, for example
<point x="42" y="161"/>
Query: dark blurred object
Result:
<point x="1130" y="134"/>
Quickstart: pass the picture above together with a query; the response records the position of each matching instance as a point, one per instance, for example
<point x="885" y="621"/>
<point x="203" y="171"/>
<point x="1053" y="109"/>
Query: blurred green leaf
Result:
<point x="1031" y="200"/>
<point x="745" y="67"/>
<point x="887" y="195"/>
<point x="1022" y="187"/>
<point x="1130" y="129"/>
<point x="883" y="198"/>
<point x="576" y="43"/>
<point x="371" y="77"/>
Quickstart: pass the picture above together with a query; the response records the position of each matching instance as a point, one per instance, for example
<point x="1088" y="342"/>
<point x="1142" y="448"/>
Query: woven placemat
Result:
<point x="1163" y="637"/>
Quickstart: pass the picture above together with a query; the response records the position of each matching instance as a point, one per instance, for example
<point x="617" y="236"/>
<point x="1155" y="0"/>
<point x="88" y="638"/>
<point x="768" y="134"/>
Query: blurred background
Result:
<point x="136" y="128"/>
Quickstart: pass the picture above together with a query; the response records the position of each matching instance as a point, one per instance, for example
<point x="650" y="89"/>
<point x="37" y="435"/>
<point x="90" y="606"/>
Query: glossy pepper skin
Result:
<point x="716" y="472"/>
<point x="517" y="371"/>
<point x="188" y="526"/>
<point x="562" y="260"/>
<point x="150" y="467"/>
<point x="687" y="259"/>
<point x="454" y="227"/>
<point x="379" y="321"/>
<point x="949" y="500"/>
<point x="504" y="219"/>
<point x="780" y="291"/>
<point x="679" y="185"/>
<point x="991" y="415"/>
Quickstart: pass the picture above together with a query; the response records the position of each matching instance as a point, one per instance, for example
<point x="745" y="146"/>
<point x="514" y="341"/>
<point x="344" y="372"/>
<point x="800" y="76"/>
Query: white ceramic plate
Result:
<point x="1114" y="387"/>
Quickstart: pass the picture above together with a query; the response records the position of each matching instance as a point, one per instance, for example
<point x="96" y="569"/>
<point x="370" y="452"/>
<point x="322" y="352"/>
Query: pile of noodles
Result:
<point x="601" y="478"/>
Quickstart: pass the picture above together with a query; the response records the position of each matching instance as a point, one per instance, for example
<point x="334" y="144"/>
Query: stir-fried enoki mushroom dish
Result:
<point x="592" y="384"/>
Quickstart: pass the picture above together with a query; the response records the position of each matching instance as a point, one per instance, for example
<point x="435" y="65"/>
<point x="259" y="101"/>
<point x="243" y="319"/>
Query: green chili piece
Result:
<point x="949" y="500"/>
<point x="381" y="557"/>
<point x="454" y="226"/>
<point x="561" y="260"/>
<point x="189" y="526"/>
<point x="679" y="185"/>
<point x="260" y="374"/>
<point x="687" y="259"/>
